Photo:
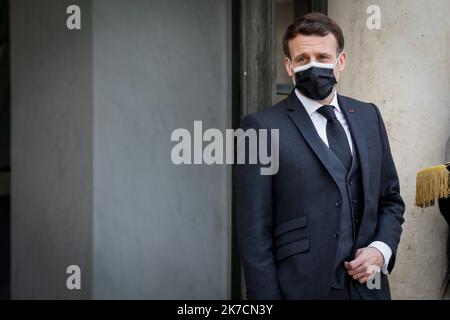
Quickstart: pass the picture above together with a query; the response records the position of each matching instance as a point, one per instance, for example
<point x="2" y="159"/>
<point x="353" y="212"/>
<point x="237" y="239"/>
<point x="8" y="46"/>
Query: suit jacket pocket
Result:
<point x="291" y="249"/>
<point x="290" y="225"/>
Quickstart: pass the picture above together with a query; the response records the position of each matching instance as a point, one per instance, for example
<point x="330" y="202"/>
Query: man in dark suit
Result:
<point x="317" y="228"/>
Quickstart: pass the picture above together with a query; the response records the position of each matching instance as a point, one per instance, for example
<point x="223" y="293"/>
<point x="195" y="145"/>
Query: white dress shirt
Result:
<point x="320" y="123"/>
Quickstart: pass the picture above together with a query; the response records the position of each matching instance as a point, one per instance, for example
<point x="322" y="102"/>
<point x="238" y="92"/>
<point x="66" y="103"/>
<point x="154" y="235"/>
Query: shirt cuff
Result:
<point x="385" y="251"/>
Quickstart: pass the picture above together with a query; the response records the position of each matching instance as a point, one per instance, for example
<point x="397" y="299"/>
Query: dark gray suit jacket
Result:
<point x="300" y="203"/>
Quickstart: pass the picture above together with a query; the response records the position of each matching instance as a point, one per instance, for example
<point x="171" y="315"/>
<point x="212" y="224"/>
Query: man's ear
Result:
<point x="288" y="66"/>
<point x="342" y="60"/>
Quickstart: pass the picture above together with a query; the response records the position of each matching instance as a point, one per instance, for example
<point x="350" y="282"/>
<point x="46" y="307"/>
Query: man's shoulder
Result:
<point x="355" y="103"/>
<point x="364" y="108"/>
<point x="269" y="116"/>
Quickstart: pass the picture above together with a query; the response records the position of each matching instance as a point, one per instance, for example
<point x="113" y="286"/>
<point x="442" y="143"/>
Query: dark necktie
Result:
<point x="337" y="139"/>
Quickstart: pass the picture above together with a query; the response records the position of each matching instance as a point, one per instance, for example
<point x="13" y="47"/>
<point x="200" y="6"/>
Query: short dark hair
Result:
<point x="314" y="23"/>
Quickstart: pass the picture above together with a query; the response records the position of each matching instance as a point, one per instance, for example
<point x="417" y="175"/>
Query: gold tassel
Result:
<point x="432" y="183"/>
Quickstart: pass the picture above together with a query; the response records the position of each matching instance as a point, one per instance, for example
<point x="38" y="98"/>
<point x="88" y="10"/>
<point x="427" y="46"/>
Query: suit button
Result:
<point x="355" y="201"/>
<point x="351" y="182"/>
<point x="356" y="221"/>
<point x="338" y="203"/>
<point x="336" y="235"/>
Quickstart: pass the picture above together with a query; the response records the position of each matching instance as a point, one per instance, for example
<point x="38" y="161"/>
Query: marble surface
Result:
<point x="52" y="109"/>
<point x="159" y="230"/>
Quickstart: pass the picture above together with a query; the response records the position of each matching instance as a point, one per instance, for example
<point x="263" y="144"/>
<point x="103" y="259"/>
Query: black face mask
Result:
<point x="315" y="80"/>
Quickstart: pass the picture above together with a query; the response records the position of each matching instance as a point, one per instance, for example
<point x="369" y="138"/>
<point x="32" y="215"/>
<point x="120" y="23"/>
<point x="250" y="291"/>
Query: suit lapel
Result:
<point x="302" y="121"/>
<point x="358" y="137"/>
<point x="359" y="140"/>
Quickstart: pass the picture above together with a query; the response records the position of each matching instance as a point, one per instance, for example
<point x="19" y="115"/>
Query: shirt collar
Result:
<point x="312" y="106"/>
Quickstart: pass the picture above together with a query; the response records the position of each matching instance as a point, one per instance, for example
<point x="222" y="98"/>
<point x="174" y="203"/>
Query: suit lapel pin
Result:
<point x="351" y="110"/>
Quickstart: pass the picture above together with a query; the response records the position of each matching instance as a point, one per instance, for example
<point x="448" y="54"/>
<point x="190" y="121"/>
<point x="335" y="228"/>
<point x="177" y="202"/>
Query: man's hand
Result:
<point x="368" y="261"/>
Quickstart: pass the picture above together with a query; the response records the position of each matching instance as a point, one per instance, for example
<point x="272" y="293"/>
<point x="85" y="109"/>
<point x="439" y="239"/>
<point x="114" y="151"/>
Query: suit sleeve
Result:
<point x="390" y="206"/>
<point x="254" y="209"/>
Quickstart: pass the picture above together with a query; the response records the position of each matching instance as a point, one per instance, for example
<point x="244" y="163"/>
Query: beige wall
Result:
<point x="404" y="69"/>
